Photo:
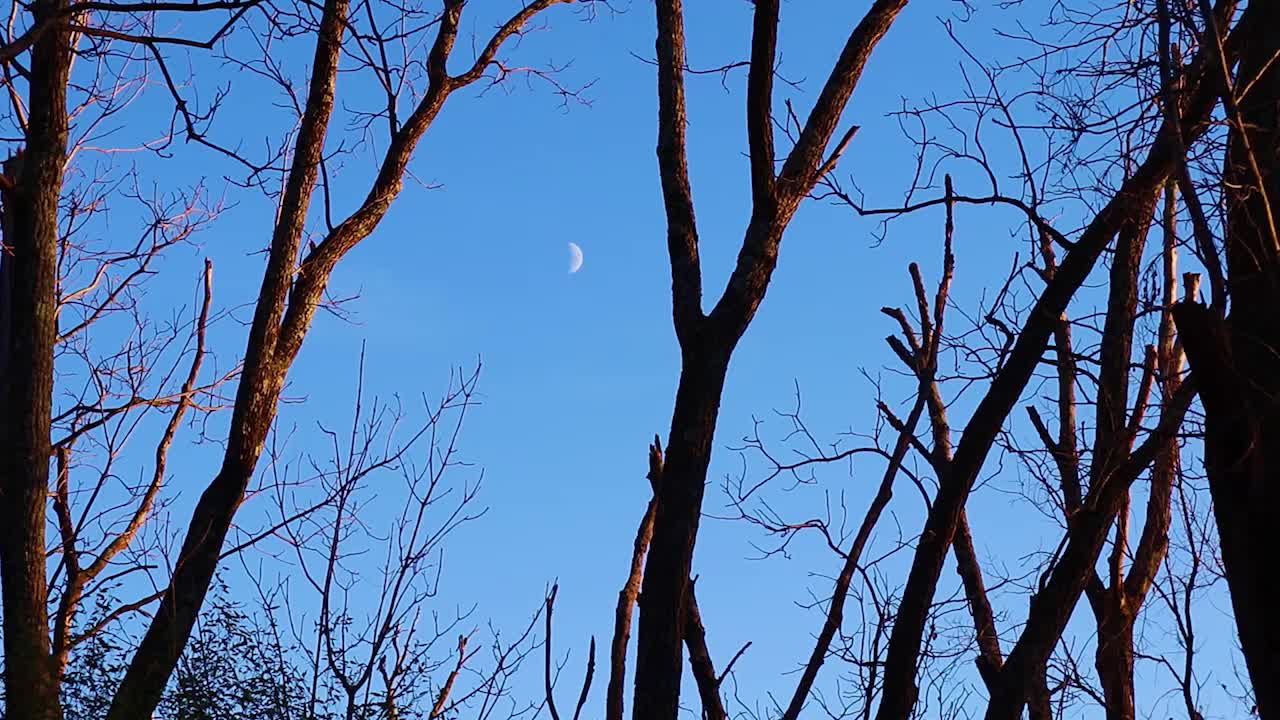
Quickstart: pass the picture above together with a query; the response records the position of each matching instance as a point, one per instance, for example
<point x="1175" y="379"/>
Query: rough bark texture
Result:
<point x="26" y="385"/>
<point x="1238" y="361"/>
<point x="704" y="669"/>
<point x="630" y="591"/>
<point x="1114" y="662"/>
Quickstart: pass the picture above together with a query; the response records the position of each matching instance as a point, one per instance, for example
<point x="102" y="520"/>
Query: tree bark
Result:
<point x="26" y="385"/>
<point x="1114" y="662"/>
<point x="660" y="642"/>
<point x="1241" y="368"/>
<point x="1241" y="418"/>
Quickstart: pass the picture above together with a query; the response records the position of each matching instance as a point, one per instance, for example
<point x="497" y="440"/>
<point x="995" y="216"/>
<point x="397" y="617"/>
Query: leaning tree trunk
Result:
<point x="291" y="293"/>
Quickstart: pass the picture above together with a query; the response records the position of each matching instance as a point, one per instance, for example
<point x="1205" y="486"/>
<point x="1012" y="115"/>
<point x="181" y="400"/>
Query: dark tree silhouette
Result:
<point x="1235" y="351"/>
<point x="707" y="340"/>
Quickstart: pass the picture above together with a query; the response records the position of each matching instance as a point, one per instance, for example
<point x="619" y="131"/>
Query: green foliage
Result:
<point x="242" y="663"/>
<point x="95" y="668"/>
<point x="236" y="666"/>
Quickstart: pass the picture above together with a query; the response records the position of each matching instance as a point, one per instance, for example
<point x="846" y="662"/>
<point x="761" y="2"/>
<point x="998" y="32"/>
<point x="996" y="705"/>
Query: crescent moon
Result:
<point x="575" y="258"/>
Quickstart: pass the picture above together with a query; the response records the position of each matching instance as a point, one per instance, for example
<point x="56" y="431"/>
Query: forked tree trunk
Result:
<point x="707" y="340"/>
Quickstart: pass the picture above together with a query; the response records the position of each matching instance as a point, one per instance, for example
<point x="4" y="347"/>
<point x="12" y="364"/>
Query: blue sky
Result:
<point x="580" y="370"/>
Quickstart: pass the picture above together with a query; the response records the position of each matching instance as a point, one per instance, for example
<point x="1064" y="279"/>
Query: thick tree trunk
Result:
<point x="157" y="655"/>
<point x="1039" y="700"/>
<point x="660" y="648"/>
<point x="1241" y="367"/>
<point x="26" y="386"/>
<point x="1114" y="662"/>
<point x="1242" y="478"/>
<point x="1245" y="506"/>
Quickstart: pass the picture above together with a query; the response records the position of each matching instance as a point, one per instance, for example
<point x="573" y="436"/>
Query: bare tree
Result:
<point x="1139" y="395"/>
<point x="707" y="340"/>
<point x="397" y="655"/>
<point x="409" y="50"/>
<point x="1123" y="214"/>
<point x="1098" y="508"/>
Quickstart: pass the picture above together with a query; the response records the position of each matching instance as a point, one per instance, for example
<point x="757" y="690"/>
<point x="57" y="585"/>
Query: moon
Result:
<point x="575" y="258"/>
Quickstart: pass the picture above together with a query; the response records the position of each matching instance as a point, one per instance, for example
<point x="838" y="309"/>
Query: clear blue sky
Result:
<point x="580" y="370"/>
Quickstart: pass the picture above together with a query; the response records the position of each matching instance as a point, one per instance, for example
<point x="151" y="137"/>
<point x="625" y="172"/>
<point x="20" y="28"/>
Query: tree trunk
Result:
<point x="157" y="655"/>
<point x="660" y="647"/>
<point x="1114" y="660"/>
<point x="1039" y="700"/>
<point x="707" y="341"/>
<point x="1241" y="369"/>
<point x="268" y="356"/>
<point x="26" y="386"/>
